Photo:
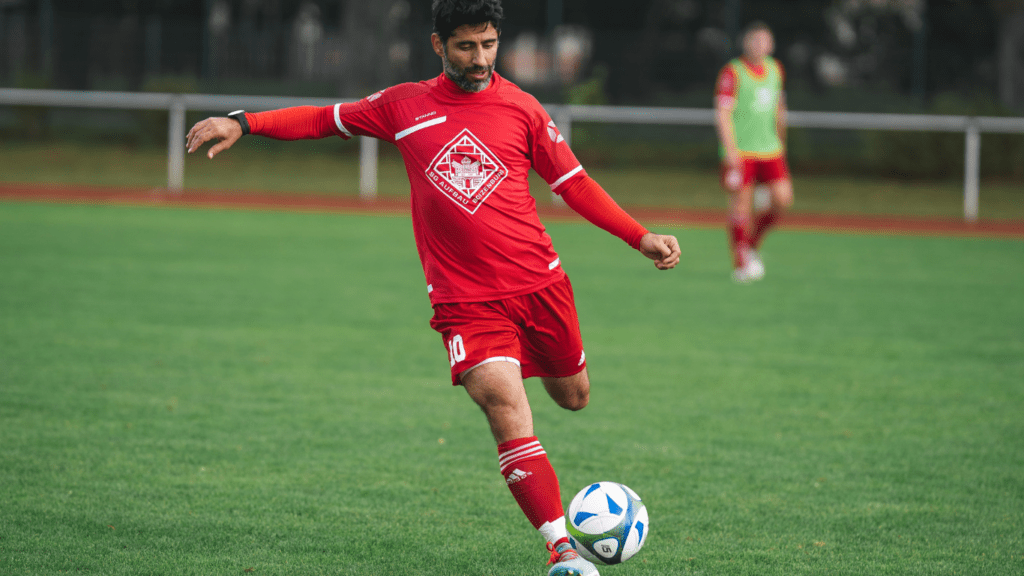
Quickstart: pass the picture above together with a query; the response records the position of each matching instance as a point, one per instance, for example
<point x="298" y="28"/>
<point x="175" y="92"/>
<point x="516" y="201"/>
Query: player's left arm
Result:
<point x="554" y="161"/>
<point x="589" y="200"/>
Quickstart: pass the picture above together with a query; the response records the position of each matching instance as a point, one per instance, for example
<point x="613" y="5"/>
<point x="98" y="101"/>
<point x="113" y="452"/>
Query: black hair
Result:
<point x="756" y="26"/>
<point x="450" y="14"/>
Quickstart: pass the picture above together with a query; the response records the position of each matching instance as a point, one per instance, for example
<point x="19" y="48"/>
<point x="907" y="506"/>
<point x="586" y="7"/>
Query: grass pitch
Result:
<point x="219" y="392"/>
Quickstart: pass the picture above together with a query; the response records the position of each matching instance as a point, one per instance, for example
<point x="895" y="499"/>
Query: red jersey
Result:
<point x="468" y="156"/>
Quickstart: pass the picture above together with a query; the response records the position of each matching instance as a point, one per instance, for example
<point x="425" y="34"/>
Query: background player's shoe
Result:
<point x="753" y="258"/>
<point x="567" y="562"/>
<point x="751" y="271"/>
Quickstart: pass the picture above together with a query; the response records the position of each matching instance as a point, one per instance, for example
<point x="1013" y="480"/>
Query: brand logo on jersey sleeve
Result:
<point x="554" y="134"/>
<point x="466" y="171"/>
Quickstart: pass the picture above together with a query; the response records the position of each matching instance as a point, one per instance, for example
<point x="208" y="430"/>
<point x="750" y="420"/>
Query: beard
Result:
<point x="460" y="76"/>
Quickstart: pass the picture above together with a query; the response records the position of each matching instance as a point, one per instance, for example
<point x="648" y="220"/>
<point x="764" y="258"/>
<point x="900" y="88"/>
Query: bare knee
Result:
<point x="782" y="195"/>
<point x="577" y="399"/>
<point x="571" y="392"/>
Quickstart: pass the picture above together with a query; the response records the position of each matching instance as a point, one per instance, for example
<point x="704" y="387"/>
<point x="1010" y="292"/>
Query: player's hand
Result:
<point x="661" y="248"/>
<point x="227" y="130"/>
<point x="733" y="169"/>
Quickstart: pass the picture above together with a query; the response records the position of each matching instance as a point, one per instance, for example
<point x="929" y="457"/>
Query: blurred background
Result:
<point x="912" y="56"/>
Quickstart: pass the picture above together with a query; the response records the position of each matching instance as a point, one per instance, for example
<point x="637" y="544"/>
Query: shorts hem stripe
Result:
<point x="494" y="359"/>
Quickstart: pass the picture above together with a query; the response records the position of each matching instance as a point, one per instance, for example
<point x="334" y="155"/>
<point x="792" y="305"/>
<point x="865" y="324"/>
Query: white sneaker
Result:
<point x="752" y="271"/>
<point x="755" y="263"/>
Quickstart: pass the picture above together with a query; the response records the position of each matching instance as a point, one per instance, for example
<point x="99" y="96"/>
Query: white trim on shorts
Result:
<point x="488" y="361"/>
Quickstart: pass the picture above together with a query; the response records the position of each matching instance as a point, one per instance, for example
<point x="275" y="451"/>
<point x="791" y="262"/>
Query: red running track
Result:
<point x="667" y="216"/>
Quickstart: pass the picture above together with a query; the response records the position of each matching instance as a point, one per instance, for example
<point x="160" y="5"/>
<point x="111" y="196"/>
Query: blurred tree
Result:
<point x="1011" y="52"/>
<point x="375" y="35"/>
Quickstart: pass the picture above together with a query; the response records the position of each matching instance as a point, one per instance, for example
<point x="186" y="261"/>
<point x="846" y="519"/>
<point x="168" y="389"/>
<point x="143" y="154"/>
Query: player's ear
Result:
<point x="435" y="42"/>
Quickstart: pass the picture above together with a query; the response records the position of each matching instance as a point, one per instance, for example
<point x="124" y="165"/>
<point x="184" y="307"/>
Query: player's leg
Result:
<point x="780" y="187"/>
<point x="497" y="387"/>
<point x="552" y="348"/>
<point x="569" y="392"/>
<point x="746" y="265"/>
<point x="484" y="351"/>
<point x="572" y="393"/>
<point x="739" y="183"/>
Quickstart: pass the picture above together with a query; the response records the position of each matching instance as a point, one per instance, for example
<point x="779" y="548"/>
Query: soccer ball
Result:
<point x="607" y="523"/>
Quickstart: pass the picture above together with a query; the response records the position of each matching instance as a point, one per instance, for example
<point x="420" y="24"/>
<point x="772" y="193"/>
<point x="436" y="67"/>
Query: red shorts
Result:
<point x="539" y="331"/>
<point x="754" y="171"/>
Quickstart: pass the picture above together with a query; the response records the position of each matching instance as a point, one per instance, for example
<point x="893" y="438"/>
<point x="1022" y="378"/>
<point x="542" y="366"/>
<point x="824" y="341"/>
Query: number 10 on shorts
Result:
<point x="456" y="350"/>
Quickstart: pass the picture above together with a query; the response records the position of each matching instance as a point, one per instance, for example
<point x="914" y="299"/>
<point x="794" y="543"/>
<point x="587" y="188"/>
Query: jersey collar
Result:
<point x="758" y="71"/>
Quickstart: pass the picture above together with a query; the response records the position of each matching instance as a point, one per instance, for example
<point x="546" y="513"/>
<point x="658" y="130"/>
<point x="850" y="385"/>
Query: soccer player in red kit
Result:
<point x="502" y="303"/>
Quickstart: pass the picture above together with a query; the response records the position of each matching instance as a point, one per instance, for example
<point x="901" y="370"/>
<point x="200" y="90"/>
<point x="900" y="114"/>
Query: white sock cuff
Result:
<point x="554" y="530"/>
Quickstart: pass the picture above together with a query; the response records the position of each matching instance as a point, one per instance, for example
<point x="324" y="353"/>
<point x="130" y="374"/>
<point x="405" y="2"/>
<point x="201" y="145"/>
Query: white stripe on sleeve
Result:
<point x="571" y="173"/>
<point x="337" y="120"/>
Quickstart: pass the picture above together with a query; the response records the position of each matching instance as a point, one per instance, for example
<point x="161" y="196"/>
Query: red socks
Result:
<point x="738" y="240"/>
<point x="764" y="221"/>
<point x="532" y="481"/>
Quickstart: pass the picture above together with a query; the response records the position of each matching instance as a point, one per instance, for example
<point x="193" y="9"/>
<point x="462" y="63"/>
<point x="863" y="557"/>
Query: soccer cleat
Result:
<point x="567" y="562"/>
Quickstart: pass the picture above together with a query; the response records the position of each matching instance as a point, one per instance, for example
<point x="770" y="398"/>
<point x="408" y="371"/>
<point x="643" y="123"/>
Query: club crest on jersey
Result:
<point x="466" y="171"/>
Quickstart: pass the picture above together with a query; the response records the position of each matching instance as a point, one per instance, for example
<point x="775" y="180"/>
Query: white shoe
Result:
<point x="752" y="271"/>
<point x="755" y="263"/>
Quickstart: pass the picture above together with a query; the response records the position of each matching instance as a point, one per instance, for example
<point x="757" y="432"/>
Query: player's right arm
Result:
<point x="725" y="101"/>
<point x="363" y="118"/>
<point x="296" y="123"/>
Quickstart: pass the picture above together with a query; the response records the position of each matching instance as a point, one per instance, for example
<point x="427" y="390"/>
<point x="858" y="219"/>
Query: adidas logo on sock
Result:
<point x="516" y="476"/>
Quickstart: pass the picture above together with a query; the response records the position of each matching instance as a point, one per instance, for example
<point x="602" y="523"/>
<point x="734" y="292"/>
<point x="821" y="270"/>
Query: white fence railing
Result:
<point x="564" y="116"/>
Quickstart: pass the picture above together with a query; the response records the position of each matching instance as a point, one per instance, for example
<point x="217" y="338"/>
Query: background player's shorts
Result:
<point x="539" y="331"/>
<point x="754" y="171"/>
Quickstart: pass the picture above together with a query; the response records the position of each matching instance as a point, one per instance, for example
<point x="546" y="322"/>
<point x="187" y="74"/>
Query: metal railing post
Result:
<point x="176" y="145"/>
<point x="972" y="168"/>
<point x="368" y="167"/>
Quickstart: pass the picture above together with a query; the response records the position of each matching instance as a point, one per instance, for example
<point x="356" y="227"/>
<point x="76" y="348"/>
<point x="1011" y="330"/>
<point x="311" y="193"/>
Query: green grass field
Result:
<point x="228" y="392"/>
<point x="330" y="167"/>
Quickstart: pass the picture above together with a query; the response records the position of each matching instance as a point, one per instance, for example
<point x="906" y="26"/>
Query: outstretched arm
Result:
<point x="589" y="200"/>
<point x="299" y="122"/>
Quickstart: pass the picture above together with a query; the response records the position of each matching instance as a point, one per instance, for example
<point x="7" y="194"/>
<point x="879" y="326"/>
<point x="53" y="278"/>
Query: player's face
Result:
<point x="758" y="44"/>
<point x="469" y="55"/>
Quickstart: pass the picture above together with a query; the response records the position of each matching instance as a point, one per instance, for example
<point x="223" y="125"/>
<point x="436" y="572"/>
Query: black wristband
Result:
<point x="239" y="115"/>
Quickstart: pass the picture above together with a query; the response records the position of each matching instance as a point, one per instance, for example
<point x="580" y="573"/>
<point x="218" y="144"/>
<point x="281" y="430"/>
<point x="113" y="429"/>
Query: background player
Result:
<point x="750" y="116"/>
<point x="502" y="304"/>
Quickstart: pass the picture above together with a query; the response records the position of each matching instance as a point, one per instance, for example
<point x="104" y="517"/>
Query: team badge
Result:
<point x="466" y="171"/>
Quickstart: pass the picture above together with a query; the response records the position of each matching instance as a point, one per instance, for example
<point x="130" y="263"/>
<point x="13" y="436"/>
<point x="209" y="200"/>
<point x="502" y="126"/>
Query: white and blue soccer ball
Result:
<point x="607" y="523"/>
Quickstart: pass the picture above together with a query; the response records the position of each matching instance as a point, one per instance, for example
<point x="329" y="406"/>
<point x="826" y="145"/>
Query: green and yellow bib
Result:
<point x="756" y="109"/>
